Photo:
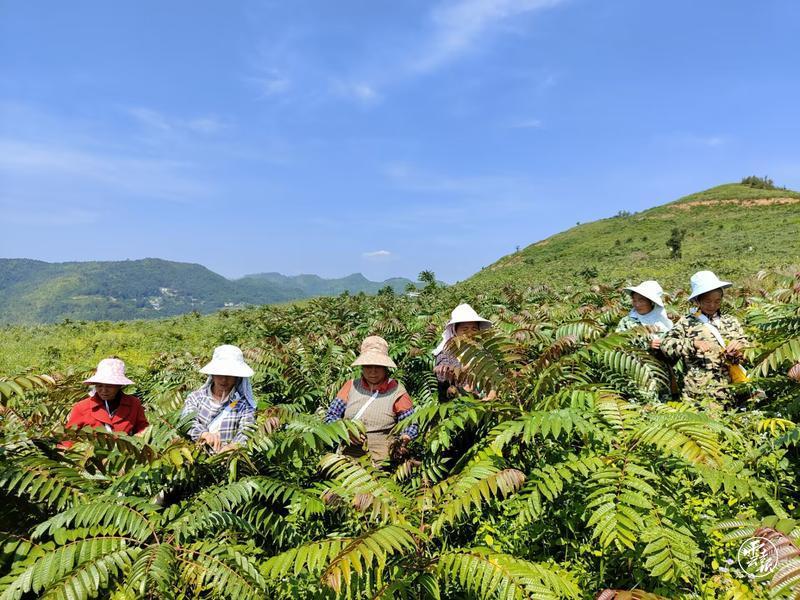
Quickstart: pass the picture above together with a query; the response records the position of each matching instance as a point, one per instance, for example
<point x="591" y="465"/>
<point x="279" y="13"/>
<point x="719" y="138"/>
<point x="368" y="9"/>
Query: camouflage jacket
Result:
<point x="706" y="372"/>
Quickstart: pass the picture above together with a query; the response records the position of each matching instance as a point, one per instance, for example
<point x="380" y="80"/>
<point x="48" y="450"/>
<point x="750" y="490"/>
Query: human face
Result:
<point x="374" y="374"/>
<point x="710" y="302"/>
<point x="641" y="304"/>
<point x="223" y="383"/>
<point x="107" y="391"/>
<point x="468" y="328"/>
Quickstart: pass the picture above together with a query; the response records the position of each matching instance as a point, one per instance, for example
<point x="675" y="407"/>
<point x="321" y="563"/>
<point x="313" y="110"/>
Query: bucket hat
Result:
<point x="706" y="281"/>
<point x="464" y="313"/>
<point x="110" y="371"/>
<point x="650" y="289"/>
<point x="374" y="351"/>
<point x="227" y="360"/>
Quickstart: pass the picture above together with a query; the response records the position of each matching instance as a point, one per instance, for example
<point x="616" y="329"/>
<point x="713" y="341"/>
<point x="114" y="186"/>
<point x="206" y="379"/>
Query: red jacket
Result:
<point x="91" y="412"/>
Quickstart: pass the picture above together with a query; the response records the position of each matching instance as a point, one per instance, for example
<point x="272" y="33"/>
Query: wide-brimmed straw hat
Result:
<point x="110" y="371"/>
<point x="650" y="289"/>
<point x="464" y="313"/>
<point x="374" y="351"/>
<point x="706" y="281"/>
<point x="227" y="360"/>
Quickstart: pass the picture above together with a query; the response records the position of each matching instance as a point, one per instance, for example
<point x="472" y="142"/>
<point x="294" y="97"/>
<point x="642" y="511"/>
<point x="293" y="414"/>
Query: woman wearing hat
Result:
<point x="463" y="321"/>
<point x="376" y="400"/>
<point x="107" y="406"/>
<point x="709" y="342"/>
<point x="224" y="407"/>
<point x="648" y="310"/>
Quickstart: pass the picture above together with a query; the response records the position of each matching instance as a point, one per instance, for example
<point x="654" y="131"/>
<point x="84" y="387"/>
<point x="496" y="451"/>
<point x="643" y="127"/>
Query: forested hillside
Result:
<point x="33" y="291"/>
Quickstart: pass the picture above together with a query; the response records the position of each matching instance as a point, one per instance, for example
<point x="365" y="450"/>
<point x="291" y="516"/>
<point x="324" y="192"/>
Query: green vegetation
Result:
<point x="33" y="291"/>
<point x="735" y="230"/>
<point x="569" y="484"/>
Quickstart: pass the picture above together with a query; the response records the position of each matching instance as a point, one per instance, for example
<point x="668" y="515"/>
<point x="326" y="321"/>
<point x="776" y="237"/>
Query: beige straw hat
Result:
<point x="374" y="351"/>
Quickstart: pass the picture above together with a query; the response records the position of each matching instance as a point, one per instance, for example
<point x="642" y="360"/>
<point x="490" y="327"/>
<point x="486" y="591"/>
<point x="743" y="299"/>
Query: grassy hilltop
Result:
<point x="733" y="229"/>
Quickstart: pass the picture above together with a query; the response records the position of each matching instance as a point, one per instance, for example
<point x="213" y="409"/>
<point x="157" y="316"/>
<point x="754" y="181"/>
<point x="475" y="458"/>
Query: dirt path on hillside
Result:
<point x="745" y="203"/>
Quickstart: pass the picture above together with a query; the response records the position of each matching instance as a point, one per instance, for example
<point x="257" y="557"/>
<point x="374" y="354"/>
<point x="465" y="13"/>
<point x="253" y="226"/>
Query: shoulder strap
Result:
<point x="365" y="406"/>
<point x="712" y="329"/>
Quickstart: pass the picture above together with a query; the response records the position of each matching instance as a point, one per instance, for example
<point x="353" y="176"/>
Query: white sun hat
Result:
<point x="706" y="281"/>
<point x="110" y="371"/>
<point x="227" y="360"/>
<point x="464" y="313"/>
<point x="374" y="351"/>
<point x="650" y="289"/>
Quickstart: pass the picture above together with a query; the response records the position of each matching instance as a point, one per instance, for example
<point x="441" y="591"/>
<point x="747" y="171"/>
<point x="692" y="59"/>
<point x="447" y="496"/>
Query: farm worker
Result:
<point x="709" y="342"/>
<point x="107" y="406"/>
<point x="377" y="401"/>
<point x="648" y="310"/>
<point x="223" y="407"/>
<point x="464" y="321"/>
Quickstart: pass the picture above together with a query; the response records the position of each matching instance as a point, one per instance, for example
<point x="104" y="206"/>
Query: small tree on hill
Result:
<point x="762" y="183"/>
<point x="675" y="242"/>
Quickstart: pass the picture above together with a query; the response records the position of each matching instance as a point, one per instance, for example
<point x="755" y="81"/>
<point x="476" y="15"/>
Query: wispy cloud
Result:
<point x="23" y="212"/>
<point x="149" y="178"/>
<point x="460" y="25"/>
<point x="155" y="120"/>
<point x="377" y="254"/>
<point x="271" y="83"/>
<point x="693" y="139"/>
<point x="526" y="124"/>
<point x="361" y="91"/>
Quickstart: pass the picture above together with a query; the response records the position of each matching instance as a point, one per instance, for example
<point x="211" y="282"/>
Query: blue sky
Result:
<point x="375" y="136"/>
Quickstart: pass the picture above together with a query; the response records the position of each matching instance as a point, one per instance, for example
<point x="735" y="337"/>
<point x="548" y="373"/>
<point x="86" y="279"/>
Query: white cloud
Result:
<point x="459" y="25"/>
<point x="23" y="212"/>
<point x="377" y="254"/>
<point x="155" y="120"/>
<point x="271" y="83"/>
<point x="149" y="178"/>
<point x="693" y="139"/>
<point x="526" y="124"/>
<point x="360" y="91"/>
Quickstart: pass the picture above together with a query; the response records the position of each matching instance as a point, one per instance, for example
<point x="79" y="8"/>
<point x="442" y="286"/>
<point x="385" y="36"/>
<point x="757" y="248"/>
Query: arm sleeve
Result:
<point x="245" y="424"/>
<point x="74" y="419"/>
<point x="735" y="331"/>
<point x="403" y="409"/>
<point x="413" y="429"/>
<point x="141" y="420"/>
<point x="676" y="343"/>
<point x="335" y="410"/>
<point x="190" y="408"/>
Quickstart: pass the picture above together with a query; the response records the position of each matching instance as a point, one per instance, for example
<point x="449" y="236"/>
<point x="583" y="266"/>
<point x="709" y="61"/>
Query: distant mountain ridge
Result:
<point x="33" y="291"/>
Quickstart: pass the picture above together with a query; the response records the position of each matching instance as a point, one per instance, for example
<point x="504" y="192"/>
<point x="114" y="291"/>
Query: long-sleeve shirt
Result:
<point x="706" y="371"/>
<point x="237" y="417"/>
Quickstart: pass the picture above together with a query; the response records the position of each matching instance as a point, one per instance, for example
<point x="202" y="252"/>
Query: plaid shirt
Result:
<point x="238" y="417"/>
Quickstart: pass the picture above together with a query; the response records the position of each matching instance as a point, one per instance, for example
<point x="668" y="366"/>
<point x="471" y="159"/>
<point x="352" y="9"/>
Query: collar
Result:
<point x="381" y="387"/>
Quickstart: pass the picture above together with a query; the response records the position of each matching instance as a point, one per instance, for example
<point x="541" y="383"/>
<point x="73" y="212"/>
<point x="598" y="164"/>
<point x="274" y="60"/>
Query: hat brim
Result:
<point x="108" y="380"/>
<point x="482" y="323"/>
<point x="226" y="368"/>
<point x="719" y="285"/>
<point x="374" y="359"/>
<point x="646" y="295"/>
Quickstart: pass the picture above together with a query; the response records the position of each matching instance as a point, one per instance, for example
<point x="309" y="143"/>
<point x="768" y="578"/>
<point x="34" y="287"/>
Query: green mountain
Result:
<point x="734" y="230"/>
<point x="33" y="291"/>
